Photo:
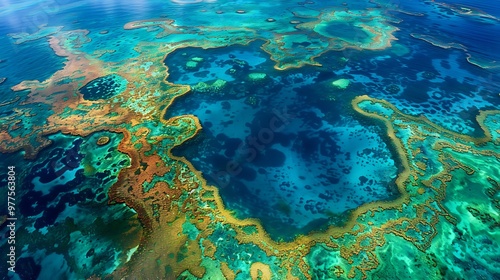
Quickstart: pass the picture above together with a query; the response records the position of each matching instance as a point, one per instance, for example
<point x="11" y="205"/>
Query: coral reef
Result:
<point x="157" y="216"/>
<point x="341" y="83"/>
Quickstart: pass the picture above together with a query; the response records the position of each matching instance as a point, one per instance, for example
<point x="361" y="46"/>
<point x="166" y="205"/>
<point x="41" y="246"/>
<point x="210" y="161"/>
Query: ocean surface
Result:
<point x="212" y="139"/>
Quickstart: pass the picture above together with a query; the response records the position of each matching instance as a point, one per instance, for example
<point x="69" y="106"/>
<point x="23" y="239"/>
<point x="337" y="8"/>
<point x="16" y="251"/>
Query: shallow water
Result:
<point x="230" y="139"/>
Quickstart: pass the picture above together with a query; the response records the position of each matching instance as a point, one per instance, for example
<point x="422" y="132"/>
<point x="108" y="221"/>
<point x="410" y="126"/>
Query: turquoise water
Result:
<point x="230" y="139"/>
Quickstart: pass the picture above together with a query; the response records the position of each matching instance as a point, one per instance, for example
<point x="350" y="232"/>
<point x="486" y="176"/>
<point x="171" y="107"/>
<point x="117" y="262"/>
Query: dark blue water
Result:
<point x="278" y="149"/>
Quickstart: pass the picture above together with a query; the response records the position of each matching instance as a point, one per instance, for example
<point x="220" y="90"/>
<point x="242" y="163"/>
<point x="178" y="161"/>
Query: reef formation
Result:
<point x="432" y="211"/>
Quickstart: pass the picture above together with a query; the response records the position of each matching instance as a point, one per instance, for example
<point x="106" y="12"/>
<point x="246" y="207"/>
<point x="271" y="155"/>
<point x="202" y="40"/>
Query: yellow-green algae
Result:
<point x="191" y="64"/>
<point x="214" y="87"/>
<point x="257" y="76"/>
<point x="341" y="83"/>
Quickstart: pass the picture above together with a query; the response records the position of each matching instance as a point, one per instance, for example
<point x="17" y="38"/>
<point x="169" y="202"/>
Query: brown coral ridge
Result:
<point x="102" y="141"/>
<point x="162" y="217"/>
<point x="95" y="117"/>
<point x="75" y="116"/>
